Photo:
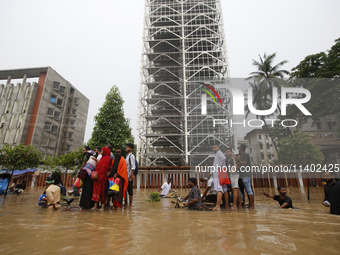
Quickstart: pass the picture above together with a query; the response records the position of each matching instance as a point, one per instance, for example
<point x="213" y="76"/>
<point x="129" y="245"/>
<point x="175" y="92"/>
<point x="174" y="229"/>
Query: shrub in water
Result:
<point x="155" y="197"/>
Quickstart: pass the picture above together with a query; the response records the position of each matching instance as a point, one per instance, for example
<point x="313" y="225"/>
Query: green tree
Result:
<point x="320" y="65"/>
<point x="297" y="149"/>
<point x="70" y="161"/>
<point x="19" y="157"/>
<point x="111" y="126"/>
<point x="264" y="79"/>
<point x="324" y="68"/>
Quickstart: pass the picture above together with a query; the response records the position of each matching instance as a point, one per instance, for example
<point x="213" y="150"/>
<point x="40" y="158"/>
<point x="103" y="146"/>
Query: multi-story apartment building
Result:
<point x="323" y="134"/>
<point x="261" y="148"/>
<point x="49" y="113"/>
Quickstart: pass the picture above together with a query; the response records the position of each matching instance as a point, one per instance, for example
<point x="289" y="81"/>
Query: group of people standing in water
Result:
<point x="100" y="166"/>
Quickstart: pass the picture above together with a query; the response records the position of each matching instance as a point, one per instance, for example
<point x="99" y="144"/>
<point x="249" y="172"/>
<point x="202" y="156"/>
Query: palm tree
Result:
<point x="261" y="102"/>
<point x="265" y="78"/>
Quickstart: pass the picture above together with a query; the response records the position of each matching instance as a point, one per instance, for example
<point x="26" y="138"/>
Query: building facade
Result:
<point x="184" y="59"/>
<point x="323" y="134"/>
<point x="49" y="113"/>
<point x="261" y="148"/>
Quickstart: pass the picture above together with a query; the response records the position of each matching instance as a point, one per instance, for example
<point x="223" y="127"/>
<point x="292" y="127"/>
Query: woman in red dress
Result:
<point x="100" y="183"/>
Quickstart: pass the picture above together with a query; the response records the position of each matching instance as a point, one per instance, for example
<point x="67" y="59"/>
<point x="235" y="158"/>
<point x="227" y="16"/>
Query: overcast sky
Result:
<point x="96" y="44"/>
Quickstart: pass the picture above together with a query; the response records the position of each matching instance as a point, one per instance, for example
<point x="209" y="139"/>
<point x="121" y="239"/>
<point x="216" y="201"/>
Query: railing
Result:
<point x="154" y="176"/>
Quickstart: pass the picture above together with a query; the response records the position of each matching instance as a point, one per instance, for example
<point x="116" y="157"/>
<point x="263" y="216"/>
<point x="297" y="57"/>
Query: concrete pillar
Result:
<point x="300" y="179"/>
<point x="33" y="181"/>
<point x="275" y="181"/>
<point x="24" y="79"/>
<point x="139" y="181"/>
<point x="8" y="80"/>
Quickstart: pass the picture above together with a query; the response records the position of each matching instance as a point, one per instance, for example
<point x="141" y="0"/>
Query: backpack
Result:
<point x="136" y="164"/>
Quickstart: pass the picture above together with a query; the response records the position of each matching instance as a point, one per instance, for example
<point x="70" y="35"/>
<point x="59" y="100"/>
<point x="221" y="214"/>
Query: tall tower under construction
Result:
<point x="184" y="68"/>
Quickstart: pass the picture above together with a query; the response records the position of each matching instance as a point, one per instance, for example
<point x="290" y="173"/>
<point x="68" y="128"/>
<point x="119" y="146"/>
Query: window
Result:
<point x="71" y="90"/>
<point x="48" y="125"/>
<point x="59" y="102"/>
<point x="68" y="147"/>
<point x="267" y="146"/>
<point x="62" y="89"/>
<point x="266" y="137"/>
<point x="25" y="106"/>
<point x="8" y="106"/>
<point x="70" y="135"/>
<point x="334" y="124"/>
<point x="7" y="136"/>
<point x="20" y="92"/>
<point x="329" y="125"/>
<point x="50" y="111"/>
<point x="53" y="99"/>
<point x="72" y="123"/>
<point x="44" y="141"/>
<point x="318" y="125"/>
<point x="28" y="91"/>
<point x="51" y="143"/>
<point x="261" y="147"/>
<point x="15" y="106"/>
<point x="56" y="114"/>
<point x="259" y="136"/>
<point x="56" y="85"/>
<point x="269" y="156"/>
<point x="69" y="110"/>
<point x="54" y="129"/>
<point x="262" y="156"/>
<point x="251" y="150"/>
<point x="76" y="100"/>
<point x="17" y="134"/>
<point x="10" y="93"/>
<point x="74" y="111"/>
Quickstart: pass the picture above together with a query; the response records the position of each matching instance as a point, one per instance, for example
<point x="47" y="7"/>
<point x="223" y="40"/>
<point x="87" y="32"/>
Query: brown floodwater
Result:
<point x="159" y="228"/>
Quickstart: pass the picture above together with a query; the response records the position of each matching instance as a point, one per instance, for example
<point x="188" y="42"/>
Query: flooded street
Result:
<point x="154" y="228"/>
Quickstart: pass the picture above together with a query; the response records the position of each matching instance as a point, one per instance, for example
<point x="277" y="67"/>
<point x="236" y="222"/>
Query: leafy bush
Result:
<point x="155" y="197"/>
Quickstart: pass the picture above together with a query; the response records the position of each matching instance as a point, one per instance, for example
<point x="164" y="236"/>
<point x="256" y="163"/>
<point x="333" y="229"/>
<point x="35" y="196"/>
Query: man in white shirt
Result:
<point x="166" y="188"/>
<point x="131" y="166"/>
<point x="219" y="162"/>
<point x="212" y="197"/>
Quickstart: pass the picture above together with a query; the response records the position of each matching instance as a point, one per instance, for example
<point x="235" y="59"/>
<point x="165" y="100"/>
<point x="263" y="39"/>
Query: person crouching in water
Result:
<point x="194" y="202"/>
<point x="52" y="194"/>
<point x="284" y="201"/>
<point x="166" y="188"/>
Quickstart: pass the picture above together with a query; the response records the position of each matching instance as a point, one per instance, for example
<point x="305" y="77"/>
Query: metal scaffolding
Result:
<point x="184" y="58"/>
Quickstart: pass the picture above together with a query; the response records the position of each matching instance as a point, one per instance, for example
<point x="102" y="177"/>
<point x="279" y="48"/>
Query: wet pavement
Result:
<point x="159" y="228"/>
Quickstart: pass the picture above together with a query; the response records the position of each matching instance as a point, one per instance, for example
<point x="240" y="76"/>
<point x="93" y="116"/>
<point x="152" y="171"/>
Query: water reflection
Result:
<point x="151" y="228"/>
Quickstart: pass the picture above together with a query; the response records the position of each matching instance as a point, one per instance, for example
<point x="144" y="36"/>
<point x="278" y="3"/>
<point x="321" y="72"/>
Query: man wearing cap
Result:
<point x="52" y="194"/>
<point x="166" y="188"/>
